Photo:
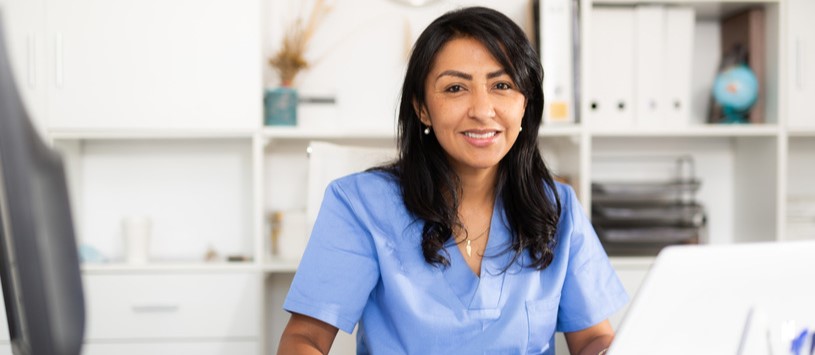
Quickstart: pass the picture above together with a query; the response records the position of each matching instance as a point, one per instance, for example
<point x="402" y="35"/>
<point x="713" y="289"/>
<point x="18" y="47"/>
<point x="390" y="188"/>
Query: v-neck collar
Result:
<point x="482" y="292"/>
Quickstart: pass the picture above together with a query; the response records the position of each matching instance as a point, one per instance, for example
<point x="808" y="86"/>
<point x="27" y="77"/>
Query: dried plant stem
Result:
<point x="290" y="59"/>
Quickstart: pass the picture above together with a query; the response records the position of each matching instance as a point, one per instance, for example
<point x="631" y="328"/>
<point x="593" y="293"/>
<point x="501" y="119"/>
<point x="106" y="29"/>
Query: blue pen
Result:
<point x="798" y="342"/>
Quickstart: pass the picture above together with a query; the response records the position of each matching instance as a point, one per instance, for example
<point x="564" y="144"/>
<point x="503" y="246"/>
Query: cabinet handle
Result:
<point x="155" y="308"/>
<point x="800" y="62"/>
<point x="32" y="62"/>
<point x="58" y="70"/>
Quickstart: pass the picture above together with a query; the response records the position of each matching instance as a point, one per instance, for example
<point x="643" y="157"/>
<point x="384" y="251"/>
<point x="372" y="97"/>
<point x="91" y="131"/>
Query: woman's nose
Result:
<point x="481" y="105"/>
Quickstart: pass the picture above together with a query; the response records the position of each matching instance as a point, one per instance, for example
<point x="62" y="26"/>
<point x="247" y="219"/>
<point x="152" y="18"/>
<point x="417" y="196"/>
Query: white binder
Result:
<point x="679" y="22"/>
<point x="650" y="87"/>
<point x="609" y="87"/>
<point x="800" y="63"/>
<point x="558" y="61"/>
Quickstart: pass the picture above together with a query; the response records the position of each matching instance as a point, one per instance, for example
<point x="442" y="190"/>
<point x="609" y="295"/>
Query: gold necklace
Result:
<point x="467" y="239"/>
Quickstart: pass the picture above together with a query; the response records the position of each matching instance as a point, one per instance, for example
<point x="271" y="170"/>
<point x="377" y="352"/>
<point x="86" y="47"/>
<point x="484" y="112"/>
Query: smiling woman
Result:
<point x="464" y="244"/>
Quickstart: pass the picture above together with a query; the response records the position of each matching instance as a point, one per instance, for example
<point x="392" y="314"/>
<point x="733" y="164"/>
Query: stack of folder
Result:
<point x="641" y="218"/>
<point x="640" y="66"/>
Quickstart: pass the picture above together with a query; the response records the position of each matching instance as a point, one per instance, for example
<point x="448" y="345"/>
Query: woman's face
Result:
<point x="472" y="105"/>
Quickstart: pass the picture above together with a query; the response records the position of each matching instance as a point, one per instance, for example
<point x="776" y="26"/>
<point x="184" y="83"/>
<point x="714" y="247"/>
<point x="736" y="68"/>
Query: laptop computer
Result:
<point x="723" y="299"/>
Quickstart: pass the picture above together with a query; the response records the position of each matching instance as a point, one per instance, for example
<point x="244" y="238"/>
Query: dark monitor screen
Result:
<point x="39" y="263"/>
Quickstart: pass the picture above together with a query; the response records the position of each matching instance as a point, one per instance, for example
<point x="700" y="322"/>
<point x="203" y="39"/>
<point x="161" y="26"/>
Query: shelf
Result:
<point x="91" y="134"/>
<point x="296" y="133"/>
<point x="705" y="9"/>
<point x="560" y="130"/>
<point x="276" y="265"/>
<point x="162" y="267"/>
<point x="801" y="132"/>
<point x="766" y="130"/>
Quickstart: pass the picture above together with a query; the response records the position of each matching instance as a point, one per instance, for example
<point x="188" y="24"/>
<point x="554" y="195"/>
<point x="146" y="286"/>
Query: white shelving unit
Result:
<point x="208" y="177"/>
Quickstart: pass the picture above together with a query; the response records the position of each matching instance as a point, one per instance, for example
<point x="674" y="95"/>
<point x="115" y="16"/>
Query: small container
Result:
<point x="136" y="232"/>
<point x="280" y="106"/>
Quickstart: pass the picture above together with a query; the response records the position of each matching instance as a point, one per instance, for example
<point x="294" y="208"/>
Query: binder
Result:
<point x="556" y="38"/>
<point x="678" y="59"/>
<point x="609" y="85"/>
<point x="650" y="83"/>
<point x="800" y="64"/>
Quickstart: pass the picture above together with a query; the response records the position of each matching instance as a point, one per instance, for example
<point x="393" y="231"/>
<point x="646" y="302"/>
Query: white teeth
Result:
<point x="479" y="136"/>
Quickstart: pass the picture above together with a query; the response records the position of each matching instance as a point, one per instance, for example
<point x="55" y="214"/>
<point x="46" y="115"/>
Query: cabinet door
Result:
<point x="154" y="64"/>
<point x="801" y="62"/>
<point x="173" y="306"/>
<point x="23" y="21"/>
<point x="164" y="348"/>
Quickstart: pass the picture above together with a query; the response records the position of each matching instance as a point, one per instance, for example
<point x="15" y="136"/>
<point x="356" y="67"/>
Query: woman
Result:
<point x="465" y="244"/>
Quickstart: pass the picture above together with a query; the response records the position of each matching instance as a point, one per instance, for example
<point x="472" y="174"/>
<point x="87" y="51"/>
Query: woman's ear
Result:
<point x="421" y="111"/>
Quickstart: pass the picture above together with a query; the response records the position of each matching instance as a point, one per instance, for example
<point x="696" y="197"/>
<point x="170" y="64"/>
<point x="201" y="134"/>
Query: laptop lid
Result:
<point x="722" y="299"/>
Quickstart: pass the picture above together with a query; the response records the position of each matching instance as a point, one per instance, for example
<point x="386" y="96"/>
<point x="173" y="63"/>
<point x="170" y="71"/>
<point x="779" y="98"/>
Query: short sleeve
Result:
<point x="591" y="289"/>
<point x="338" y="269"/>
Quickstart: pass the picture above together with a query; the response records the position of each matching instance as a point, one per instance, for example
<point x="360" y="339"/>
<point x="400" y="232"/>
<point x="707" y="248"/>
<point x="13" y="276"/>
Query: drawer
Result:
<point x="172" y="306"/>
<point x="182" y="348"/>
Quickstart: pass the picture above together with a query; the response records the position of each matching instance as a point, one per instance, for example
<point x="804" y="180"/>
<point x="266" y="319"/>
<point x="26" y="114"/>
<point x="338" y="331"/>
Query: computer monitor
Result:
<point x="39" y="263"/>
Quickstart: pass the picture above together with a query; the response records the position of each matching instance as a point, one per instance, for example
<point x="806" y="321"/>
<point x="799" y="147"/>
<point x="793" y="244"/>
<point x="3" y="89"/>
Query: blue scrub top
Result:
<point x="364" y="263"/>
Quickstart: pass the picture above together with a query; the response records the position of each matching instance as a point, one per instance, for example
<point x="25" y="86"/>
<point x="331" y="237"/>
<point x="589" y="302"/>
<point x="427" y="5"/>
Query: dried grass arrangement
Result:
<point x="290" y="59"/>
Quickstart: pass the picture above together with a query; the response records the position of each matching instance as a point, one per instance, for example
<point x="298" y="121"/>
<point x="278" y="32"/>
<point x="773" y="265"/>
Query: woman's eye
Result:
<point x="454" y="88"/>
<point x="503" y="86"/>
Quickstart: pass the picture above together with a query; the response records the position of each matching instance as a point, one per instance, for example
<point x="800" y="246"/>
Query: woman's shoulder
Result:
<point x="565" y="192"/>
<point x="370" y="183"/>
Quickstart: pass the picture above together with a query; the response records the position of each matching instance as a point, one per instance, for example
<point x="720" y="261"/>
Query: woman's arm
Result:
<point x="306" y="335"/>
<point x="592" y="340"/>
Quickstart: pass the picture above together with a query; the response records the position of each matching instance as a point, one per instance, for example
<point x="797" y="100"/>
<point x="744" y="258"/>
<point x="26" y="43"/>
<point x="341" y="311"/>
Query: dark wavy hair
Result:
<point x="430" y="187"/>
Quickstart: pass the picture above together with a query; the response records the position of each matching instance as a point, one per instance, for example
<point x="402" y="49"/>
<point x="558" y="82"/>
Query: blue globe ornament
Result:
<point x="736" y="90"/>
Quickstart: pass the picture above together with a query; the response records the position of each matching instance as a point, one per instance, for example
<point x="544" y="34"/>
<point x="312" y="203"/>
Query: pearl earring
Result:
<point x="522" y="129"/>
<point x="427" y="130"/>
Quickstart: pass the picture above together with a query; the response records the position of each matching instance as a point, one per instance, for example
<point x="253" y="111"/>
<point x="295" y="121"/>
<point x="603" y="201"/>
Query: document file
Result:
<point x="610" y="67"/>
<point x="801" y="63"/>
<point x="558" y="60"/>
<point x="678" y="61"/>
<point x="650" y="85"/>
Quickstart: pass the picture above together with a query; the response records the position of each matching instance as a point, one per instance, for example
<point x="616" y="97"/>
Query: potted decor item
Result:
<point x="280" y="103"/>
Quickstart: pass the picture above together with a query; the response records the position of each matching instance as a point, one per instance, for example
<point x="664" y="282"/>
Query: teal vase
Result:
<point x="280" y="106"/>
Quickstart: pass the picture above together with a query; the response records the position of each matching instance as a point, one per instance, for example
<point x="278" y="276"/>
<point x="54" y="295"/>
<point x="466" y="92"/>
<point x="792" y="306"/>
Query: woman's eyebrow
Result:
<point x="456" y="74"/>
<point x="466" y="76"/>
<point x="496" y="74"/>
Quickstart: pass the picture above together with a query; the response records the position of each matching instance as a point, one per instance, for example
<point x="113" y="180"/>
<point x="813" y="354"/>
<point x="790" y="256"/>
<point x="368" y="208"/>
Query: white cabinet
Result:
<point x="798" y="197"/>
<point x="196" y="190"/>
<point x="170" y="348"/>
<point x="139" y="64"/>
<point x="172" y="306"/>
<point x="800" y="63"/>
<point x="166" y="311"/>
<point x="23" y="24"/>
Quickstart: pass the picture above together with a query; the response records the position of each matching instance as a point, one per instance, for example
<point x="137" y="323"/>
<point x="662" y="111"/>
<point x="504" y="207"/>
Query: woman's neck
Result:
<point x="478" y="186"/>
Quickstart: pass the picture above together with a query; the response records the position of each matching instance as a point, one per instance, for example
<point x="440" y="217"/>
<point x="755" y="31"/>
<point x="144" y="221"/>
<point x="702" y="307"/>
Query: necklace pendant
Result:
<point x="469" y="249"/>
